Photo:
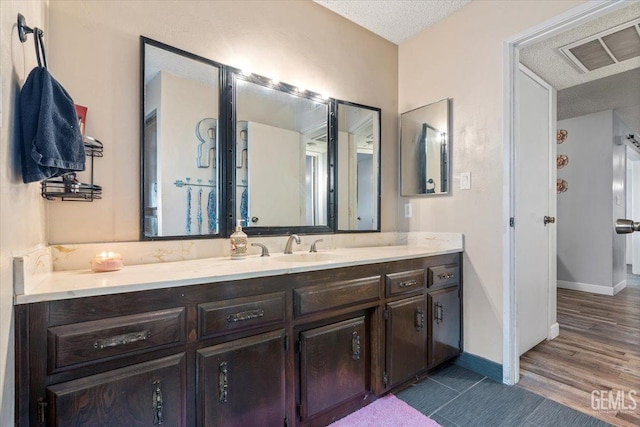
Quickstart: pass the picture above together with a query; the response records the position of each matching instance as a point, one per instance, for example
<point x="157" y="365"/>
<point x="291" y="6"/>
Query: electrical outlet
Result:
<point x="465" y="180"/>
<point x="407" y="210"/>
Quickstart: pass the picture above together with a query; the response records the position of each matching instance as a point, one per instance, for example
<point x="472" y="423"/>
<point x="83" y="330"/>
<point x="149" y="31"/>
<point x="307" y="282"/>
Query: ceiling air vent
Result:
<point x="606" y="48"/>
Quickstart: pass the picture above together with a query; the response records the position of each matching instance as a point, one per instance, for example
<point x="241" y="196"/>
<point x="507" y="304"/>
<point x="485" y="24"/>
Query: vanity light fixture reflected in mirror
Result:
<point x="283" y="155"/>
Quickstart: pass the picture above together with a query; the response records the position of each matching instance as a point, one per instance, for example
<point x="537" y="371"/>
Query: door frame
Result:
<point x="583" y="13"/>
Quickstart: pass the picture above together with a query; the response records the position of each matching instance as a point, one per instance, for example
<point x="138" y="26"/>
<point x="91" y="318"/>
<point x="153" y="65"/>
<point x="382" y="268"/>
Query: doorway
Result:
<point x="573" y="18"/>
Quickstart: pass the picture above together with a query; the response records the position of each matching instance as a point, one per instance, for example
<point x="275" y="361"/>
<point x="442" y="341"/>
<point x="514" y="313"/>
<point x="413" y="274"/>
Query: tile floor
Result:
<point x="457" y="397"/>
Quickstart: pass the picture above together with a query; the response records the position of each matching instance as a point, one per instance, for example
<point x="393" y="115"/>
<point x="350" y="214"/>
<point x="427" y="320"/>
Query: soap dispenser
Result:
<point x="239" y="242"/>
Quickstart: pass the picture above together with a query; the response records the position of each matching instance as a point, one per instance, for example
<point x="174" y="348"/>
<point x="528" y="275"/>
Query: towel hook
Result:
<point x="23" y="28"/>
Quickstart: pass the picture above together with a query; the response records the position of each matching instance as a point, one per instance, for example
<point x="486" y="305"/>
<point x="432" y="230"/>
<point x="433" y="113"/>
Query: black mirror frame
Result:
<point x="339" y="102"/>
<point x="227" y="131"/>
<point x="144" y="41"/>
<point x="234" y="74"/>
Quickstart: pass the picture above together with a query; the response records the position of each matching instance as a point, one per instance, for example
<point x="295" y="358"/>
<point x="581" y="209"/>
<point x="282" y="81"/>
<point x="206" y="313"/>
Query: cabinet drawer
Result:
<point x="444" y="275"/>
<point x="237" y="314"/>
<point x="118" y="336"/>
<point x="404" y="282"/>
<point x="334" y="295"/>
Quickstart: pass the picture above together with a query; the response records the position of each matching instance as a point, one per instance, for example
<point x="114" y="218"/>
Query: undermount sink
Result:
<point x="307" y="257"/>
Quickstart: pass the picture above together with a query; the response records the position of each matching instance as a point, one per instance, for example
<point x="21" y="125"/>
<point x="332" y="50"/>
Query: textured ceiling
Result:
<point x="620" y="92"/>
<point x="394" y="20"/>
<point x="614" y="87"/>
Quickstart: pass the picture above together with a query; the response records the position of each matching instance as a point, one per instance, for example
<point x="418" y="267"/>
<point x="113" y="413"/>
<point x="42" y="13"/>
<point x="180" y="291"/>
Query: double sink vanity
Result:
<point x="299" y="339"/>
<point x="290" y="339"/>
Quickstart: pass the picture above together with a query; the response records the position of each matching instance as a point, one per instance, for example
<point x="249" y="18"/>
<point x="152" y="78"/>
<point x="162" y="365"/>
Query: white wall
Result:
<point x="94" y="51"/>
<point x="461" y="57"/>
<point x="21" y="207"/>
<point x="177" y="148"/>
<point x="591" y="256"/>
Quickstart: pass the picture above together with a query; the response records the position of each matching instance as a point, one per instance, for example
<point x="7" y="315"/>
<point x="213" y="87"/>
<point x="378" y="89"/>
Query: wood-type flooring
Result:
<point x="596" y="358"/>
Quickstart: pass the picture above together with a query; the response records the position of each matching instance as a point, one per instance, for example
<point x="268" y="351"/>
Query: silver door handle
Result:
<point x="626" y="226"/>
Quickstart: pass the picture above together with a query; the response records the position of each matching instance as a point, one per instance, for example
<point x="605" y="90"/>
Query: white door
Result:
<point x="276" y="176"/>
<point x="535" y="176"/>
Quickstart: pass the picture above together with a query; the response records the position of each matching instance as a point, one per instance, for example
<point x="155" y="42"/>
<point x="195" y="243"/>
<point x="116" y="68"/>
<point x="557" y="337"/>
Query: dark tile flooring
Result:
<point x="457" y="397"/>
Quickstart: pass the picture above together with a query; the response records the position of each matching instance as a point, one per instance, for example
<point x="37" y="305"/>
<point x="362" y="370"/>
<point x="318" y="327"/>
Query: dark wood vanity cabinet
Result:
<point x="445" y="310"/>
<point x="333" y="366"/>
<point x="145" y="394"/>
<point x="299" y="349"/>
<point x="241" y="382"/>
<point x="406" y="336"/>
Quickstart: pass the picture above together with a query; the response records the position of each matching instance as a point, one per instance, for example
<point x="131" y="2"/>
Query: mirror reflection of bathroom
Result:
<point x="282" y="157"/>
<point x="424" y="150"/>
<point x="358" y="174"/>
<point x="180" y="144"/>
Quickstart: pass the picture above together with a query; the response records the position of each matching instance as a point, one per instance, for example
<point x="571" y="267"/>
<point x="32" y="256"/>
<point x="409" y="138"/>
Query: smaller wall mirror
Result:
<point x="424" y="150"/>
<point x="180" y="139"/>
<point x="358" y="167"/>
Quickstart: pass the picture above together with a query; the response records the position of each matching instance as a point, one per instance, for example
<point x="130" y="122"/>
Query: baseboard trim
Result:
<point x="620" y="286"/>
<point x="480" y="365"/>
<point x="587" y="287"/>
<point x="554" y="331"/>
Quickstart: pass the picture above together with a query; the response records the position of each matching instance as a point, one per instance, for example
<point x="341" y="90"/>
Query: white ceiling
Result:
<point x="614" y="87"/>
<point x="394" y="20"/>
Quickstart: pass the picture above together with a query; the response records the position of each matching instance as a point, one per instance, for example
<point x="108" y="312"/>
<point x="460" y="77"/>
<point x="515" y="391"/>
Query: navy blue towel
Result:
<point x="51" y="138"/>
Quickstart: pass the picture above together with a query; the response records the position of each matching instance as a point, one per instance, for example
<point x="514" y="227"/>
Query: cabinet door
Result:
<point x="406" y="339"/>
<point x="333" y="365"/>
<point x="444" y="306"/>
<point x="147" y="394"/>
<point x="241" y="382"/>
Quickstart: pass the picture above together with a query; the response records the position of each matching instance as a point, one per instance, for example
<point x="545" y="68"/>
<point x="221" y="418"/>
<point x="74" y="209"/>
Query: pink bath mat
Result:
<point x="388" y="411"/>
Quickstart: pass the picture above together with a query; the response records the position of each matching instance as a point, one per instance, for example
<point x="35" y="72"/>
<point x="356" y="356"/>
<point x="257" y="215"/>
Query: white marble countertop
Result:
<point x="83" y="283"/>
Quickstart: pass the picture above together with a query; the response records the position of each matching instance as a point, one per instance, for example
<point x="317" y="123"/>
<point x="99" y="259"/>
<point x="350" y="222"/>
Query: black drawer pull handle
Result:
<point x="355" y="346"/>
<point x="158" y="417"/>
<point x="122" y="339"/>
<point x="245" y="315"/>
<point x="223" y="382"/>
<point x="408" y="283"/>
<point x="446" y="276"/>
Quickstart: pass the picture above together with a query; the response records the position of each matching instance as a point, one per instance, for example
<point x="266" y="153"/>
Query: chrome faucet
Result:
<point x="265" y="250"/>
<point x="287" y="247"/>
<point x="314" y="245"/>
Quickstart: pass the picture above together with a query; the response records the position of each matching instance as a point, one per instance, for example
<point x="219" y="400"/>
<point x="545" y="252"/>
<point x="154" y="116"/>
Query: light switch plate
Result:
<point x="465" y="180"/>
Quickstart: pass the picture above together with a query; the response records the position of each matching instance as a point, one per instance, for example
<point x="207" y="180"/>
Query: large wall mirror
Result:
<point x="282" y="157"/>
<point x="259" y="152"/>
<point x="358" y="167"/>
<point x="424" y="150"/>
<point x="180" y="143"/>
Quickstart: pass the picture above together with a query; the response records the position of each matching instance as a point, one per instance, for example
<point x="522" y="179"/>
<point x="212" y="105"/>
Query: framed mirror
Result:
<point x="283" y="158"/>
<point x="358" y="153"/>
<point x="424" y="150"/>
<point x="180" y="104"/>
